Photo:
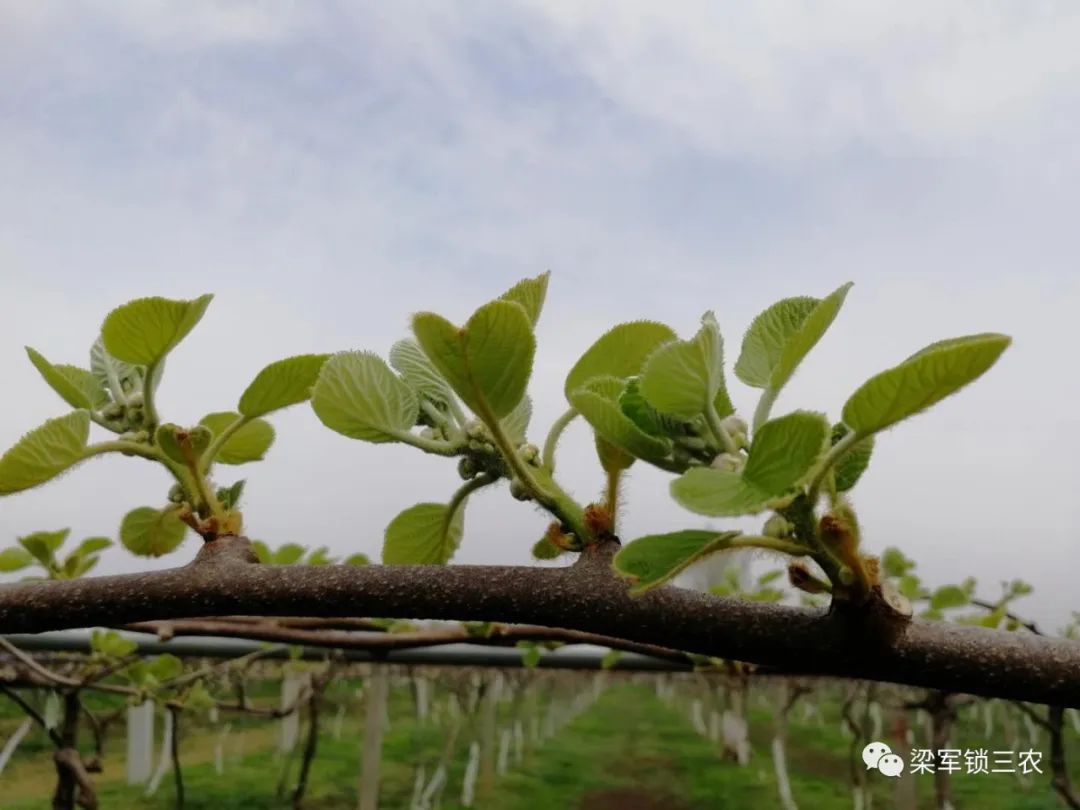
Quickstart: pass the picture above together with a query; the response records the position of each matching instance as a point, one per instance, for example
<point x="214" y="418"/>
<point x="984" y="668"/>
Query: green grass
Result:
<point x="630" y="751"/>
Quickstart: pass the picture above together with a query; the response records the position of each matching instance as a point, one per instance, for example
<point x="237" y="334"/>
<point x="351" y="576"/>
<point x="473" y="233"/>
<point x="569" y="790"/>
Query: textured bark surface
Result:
<point x="586" y="596"/>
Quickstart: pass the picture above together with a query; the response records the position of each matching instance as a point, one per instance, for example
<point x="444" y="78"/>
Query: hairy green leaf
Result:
<point x="409" y="360"/>
<point x="530" y="294"/>
<point x="359" y="396"/>
<point x="922" y="380"/>
<point x="143" y="331"/>
<point x="783" y="452"/>
<point x="684" y="377"/>
<point x="516" y="423"/>
<point x="112" y="374"/>
<point x="78" y="387"/>
<point x="806" y="337"/>
<point x="656" y="558"/>
<point x="45" y="452"/>
<point x="765" y="341"/>
<point x="281" y="384"/>
<point x="487" y="362"/>
<point x="424" y="534"/>
<point x="598" y="403"/>
<point x="620" y="352"/>
<point x="150" y="532"/>
<point x="249" y="443"/>
<point x="851" y="466"/>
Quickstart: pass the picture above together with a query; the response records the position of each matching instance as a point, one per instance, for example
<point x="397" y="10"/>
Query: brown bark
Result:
<point x="587" y="596"/>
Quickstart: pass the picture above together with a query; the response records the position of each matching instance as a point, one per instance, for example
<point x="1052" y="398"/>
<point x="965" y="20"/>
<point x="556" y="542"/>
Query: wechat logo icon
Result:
<point x="877" y="755"/>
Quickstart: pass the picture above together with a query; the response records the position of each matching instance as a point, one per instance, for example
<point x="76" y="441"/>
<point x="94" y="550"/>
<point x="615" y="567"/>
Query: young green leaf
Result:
<point x="143" y="331"/>
<point x="44" y="545"/>
<point x="113" y="375"/>
<point x="544" y="549"/>
<point x="530" y="654"/>
<point x="922" y="380"/>
<point x="111" y="644"/>
<point x="487" y="362"/>
<point x="598" y="402"/>
<point x="288" y="554"/>
<point x="165" y="667"/>
<point x="92" y="545"/>
<point x="765" y="340"/>
<point x="150" y="532"/>
<point x="619" y="352"/>
<point x="516" y="423"/>
<point x="894" y="563"/>
<point x="948" y="596"/>
<point x="850" y="466"/>
<point x="424" y="534"/>
<point x="610" y="659"/>
<point x="358" y="396"/>
<point x="45" y="452"/>
<point x="653" y="560"/>
<point x="409" y="360"/>
<point x="357" y="559"/>
<point x="78" y="387"/>
<point x="684" y="377"/>
<point x="530" y="294"/>
<point x="783" y="452"/>
<point x="14" y="559"/>
<point x="281" y="384"/>
<point x="248" y="443"/>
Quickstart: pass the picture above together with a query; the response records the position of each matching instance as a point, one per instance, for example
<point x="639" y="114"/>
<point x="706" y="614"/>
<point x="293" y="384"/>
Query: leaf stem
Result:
<point x="557" y="502"/>
<point x="771" y="543"/>
<point x="835" y="453"/>
<point x="713" y="419"/>
<point x="150" y="420"/>
<point x="219" y="442"/>
<point x="611" y="495"/>
<point x="125" y="447"/>
<point x="433" y="446"/>
<point x="764" y="407"/>
<point x="552" y="440"/>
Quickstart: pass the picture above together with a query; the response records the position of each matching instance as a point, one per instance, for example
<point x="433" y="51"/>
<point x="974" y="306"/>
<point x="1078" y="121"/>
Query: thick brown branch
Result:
<point x="499" y="635"/>
<point x="587" y="597"/>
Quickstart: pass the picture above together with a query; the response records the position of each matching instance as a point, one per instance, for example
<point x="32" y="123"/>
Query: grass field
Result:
<point x="629" y="751"/>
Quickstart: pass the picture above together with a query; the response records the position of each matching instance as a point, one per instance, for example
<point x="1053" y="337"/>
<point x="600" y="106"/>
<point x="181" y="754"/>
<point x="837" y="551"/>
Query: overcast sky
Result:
<point x="328" y="169"/>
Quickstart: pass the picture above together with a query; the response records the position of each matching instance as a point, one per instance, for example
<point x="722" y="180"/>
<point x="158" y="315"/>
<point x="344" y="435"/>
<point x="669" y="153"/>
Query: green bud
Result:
<point x="518" y="490"/>
<point x="113" y="411"/>
<point x="467" y="468"/>
<point x="475" y="429"/>
<point x="135" y="400"/>
<point x="177" y="494"/>
<point x="530" y="454"/>
<point x="778" y="526"/>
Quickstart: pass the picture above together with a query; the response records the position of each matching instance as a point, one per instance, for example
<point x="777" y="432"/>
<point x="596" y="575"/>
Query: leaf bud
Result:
<point x="518" y="490"/>
<point x="727" y="461"/>
<point x="467" y="468"/>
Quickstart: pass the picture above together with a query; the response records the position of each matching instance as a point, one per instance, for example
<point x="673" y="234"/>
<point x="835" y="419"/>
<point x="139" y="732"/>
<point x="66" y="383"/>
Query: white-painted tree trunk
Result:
<point x="13" y="742"/>
<point x="783" y="783"/>
<point x="219" y="750"/>
<point x="519" y="742"/>
<point x="339" y="722"/>
<point x="164" y="757"/>
<point x="374" y="717"/>
<point x="697" y="717"/>
<point x="140" y="743"/>
<point x="423" y="699"/>
<point x="289" y="730"/>
<point x="988" y="718"/>
<point x="468" y="787"/>
<point x="503" y="764"/>
<point x="418" y="788"/>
